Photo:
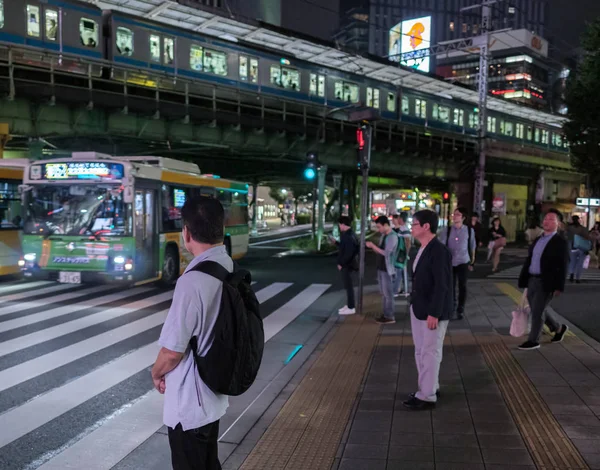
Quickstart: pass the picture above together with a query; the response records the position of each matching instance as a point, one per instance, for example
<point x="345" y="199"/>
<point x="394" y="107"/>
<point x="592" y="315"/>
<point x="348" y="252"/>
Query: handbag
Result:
<point x="586" y="262"/>
<point x="519" y="325"/>
<point x="580" y="243"/>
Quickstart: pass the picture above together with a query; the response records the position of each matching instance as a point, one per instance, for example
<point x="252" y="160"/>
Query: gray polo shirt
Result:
<point x="194" y="310"/>
<point x="458" y="243"/>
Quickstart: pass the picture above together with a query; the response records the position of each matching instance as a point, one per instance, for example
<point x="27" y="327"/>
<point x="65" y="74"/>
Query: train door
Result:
<point x="146" y="234"/>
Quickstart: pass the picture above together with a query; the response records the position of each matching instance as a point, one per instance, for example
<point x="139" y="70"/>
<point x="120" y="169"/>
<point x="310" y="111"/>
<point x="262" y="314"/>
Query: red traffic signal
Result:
<point x="446" y="197"/>
<point x="360" y="139"/>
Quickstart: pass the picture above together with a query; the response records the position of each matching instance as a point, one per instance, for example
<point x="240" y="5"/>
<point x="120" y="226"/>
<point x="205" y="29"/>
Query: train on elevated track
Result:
<point x="81" y="29"/>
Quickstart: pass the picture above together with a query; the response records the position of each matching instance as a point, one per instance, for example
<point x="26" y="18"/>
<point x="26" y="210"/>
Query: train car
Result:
<point x="72" y="29"/>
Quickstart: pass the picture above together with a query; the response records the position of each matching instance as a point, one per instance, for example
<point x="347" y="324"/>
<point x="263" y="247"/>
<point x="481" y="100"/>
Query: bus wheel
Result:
<point x="170" y="271"/>
<point x="227" y="243"/>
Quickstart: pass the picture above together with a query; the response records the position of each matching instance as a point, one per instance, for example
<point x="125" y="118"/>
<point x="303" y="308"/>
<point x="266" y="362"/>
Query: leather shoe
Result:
<point x="415" y="404"/>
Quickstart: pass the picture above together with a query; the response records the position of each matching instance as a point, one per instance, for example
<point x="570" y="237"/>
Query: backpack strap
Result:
<point x="213" y="269"/>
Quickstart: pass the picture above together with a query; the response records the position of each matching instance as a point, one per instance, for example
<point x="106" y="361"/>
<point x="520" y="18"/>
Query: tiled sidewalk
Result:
<point x="500" y="408"/>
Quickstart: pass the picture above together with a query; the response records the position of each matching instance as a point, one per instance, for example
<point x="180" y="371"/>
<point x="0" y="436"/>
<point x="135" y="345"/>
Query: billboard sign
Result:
<point x="505" y="40"/>
<point x="410" y="41"/>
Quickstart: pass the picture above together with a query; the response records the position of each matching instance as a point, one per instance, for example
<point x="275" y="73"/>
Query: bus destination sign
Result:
<point x="77" y="171"/>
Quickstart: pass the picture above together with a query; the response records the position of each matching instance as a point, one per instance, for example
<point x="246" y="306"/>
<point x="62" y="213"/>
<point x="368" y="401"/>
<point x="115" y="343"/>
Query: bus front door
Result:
<point x="146" y="235"/>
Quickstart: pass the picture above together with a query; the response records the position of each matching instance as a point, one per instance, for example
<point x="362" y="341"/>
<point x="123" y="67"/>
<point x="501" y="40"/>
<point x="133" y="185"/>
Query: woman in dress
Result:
<point x="498" y="236"/>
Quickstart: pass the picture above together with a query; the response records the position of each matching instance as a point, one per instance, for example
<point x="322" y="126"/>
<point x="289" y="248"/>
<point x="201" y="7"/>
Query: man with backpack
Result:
<point x="404" y="243"/>
<point x="386" y="269"/>
<point x="461" y="240"/>
<point x="347" y="261"/>
<point x="191" y="368"/>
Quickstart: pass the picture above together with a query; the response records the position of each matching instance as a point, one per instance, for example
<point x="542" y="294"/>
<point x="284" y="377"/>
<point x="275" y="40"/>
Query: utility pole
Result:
<point x="363" y="136"/>
<point x="321" y="228"/>
<point x="484" y="44"/>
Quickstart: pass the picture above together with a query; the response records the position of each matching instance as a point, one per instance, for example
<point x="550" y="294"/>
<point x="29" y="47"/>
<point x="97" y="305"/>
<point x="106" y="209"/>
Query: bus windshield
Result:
<point x="89" y="210"/>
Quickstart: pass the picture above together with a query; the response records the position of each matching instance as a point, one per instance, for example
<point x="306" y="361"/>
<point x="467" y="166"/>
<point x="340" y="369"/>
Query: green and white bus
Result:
<point x="95" y="217"/>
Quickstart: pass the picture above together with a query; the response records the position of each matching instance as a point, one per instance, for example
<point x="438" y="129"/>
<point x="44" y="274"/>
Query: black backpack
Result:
<point x="231" y="364"/>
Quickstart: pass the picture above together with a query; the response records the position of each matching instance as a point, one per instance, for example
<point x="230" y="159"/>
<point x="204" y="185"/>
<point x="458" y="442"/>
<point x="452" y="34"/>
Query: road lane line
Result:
<point x="21" y="285"/>
<point x="57" y="331"/>
<point x="24" y="295"/>
<point x="64" y="310"/>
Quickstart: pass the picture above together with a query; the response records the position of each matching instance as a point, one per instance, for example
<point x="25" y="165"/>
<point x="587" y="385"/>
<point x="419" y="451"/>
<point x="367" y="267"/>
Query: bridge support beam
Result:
<point x="4" y="138"/>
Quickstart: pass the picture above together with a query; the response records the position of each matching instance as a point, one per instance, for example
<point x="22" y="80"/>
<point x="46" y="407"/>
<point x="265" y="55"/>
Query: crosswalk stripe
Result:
<point x="114" y="436"/>
<point x="22" y="285"/>
<point x="65" y="310"/>
<point x="32" y="339"/>
<point x="29" y="293"/>
<point x="286" y="314"/>
<point x="19" y="307"/>
<point x="30" y="369"/>
<point x="111" y="442"/>
<point x="271" y="291"/>
<point x="37" y="412"/>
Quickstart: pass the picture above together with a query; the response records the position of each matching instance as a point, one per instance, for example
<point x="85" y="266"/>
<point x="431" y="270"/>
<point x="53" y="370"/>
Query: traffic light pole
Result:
<point x="321" y="228"/>
<point x="364" y="202"/>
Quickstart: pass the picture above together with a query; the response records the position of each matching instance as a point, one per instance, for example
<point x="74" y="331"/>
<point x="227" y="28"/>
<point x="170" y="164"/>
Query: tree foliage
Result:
<point x="583" y="100"/>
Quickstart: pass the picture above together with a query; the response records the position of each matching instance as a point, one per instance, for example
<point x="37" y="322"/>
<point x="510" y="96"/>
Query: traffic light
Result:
<point x="363" y="140"/>
<point x="312" y="162"/>
<point x="446" y="198"/>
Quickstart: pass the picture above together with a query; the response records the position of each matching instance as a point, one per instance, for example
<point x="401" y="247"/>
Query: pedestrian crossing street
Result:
<point x="75" y="388"/>
<point x="589" y="275"/>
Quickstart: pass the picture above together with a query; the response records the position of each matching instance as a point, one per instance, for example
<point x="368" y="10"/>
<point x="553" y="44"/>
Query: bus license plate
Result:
<point x="69" y="278"/>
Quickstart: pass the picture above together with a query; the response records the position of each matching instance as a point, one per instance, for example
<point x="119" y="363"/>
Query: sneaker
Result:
<point x="385" y="321"/>
<point x="560" y="334"/>
<point x="415" y="404"/>
<point x="345" y="307"/>
<point x="347" y="311"/>
<point x="529" y="346"/>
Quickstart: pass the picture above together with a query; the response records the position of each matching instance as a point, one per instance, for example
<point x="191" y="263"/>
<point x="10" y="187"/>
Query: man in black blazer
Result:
<point x="431" y="304"/>
<point x="544" y="275"/>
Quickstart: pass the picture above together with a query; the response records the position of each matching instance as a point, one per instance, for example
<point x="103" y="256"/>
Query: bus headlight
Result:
<point x="21" y="263"/>
<point x="129" y="265"/>
<point x="29" y="257"/>
<point x="119" y="259"/>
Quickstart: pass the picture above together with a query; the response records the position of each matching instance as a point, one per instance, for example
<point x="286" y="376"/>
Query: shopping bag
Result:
<point x="586" y="262"/>
<point x="520" y="318"/>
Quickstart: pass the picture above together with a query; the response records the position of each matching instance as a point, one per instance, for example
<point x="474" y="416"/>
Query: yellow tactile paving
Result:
<point x="548" y="444"/>
<point x="516" y="295"/>
<point x="308" y="429"/>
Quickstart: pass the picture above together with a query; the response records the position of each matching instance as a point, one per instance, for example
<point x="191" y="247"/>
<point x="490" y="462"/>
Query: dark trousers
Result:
<point x="538" y="301"/>
<point x="348" y="285"/>
<point x="460" y="276"/>
<point x="195" y="449"/>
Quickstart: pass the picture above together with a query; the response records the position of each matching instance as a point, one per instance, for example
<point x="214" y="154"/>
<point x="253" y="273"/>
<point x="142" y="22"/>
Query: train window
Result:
<point x="405" y="105"/>
<point x="529" y="133"/>
<point x="347" y="91"/>
<point x="491" y="124"/>
<point x="196" y="58"/>
<point x="154" y="48"/>
<point x="51" y="25"/>
<point x="537" y="135"/>
<point x="373" y="97"/>
<point x="441" y="113"/>
<point x="545" y="136"/>
<point x="33" y="21"/>
<point x="520" y="131"/>
<point x="391" y="102"/>
<point x="421" y="108"/>
<point x="169" y="54"/>
<point x="215" y="62"/>
<point x="248" y="69"/>
<point x="557" y="139"/>
<point x="317" y="85"/>
<point x="124" y="41"/>
<point x="509" y="129"/>
<point x="1" y="14"/>
<point x="459" y="117"/>
<point x="285" y="77"/>
<point x="473" y="120"/>
<point x="88" y="32"/>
